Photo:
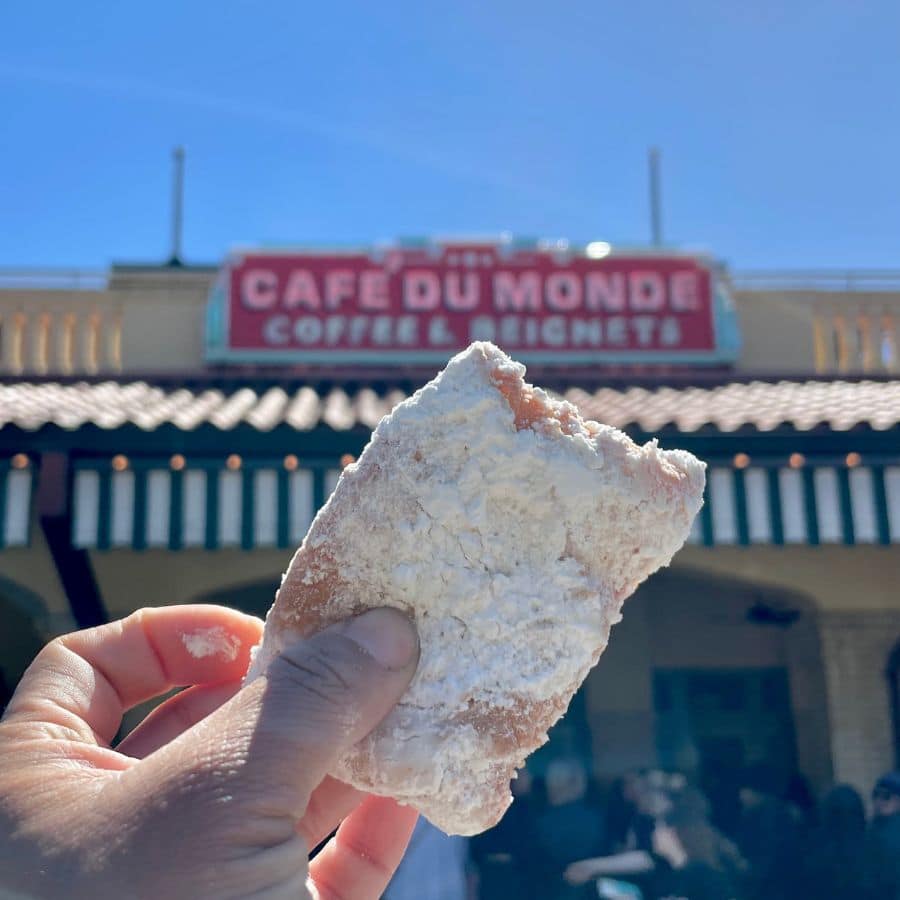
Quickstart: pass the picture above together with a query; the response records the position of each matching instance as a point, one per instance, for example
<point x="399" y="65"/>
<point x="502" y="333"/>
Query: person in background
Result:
<point x="694" y="860"/>
<point x="650" y="793"/>
<point x="689" y="857"/>
<point x="504" y="855"/>
<point x="568" y="828"/>
<point x="832" y="863"/>
<point x="768" y="836"/>
<point x="883" y="840"/>
<point x="434" y="867"/>
<point x="621" y="809"/>
<point x="800" y="800"/>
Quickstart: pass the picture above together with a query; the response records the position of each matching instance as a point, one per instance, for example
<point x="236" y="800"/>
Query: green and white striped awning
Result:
<point x="207" y="506"/>
<point x="15" y="502"/>
<point x="263" y="504"/>
<point x="809" y="504"/>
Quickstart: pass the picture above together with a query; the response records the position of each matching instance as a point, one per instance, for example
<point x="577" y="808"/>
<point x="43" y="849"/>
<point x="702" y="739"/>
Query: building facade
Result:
<point x="155" y="449"/>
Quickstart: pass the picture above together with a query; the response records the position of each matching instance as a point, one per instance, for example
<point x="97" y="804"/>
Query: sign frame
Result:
<point x="725" y="348"/>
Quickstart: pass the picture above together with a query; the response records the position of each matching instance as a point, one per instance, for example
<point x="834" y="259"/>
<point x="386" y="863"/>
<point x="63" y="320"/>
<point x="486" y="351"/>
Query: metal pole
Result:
<point x="177" y="204"/>
<point x="655" y="202"/>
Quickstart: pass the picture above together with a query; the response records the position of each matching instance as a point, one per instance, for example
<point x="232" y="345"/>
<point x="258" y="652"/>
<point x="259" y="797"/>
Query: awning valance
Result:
<point x="263" y="504"/>
<point x="806" y="504"/>
<point x="206" y="506"/>
<point x="15" y="502"/>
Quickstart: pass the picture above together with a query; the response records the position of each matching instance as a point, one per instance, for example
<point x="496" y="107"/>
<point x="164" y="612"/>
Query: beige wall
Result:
<point x="776" y="331"/>
<point x="834" y="577"/>
<point x="778" y="328"/>
<point x="160" y="314"/>
<point x="163" y="321"/>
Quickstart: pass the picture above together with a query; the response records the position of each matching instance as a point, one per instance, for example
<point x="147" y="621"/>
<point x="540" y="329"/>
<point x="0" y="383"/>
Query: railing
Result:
<point x="843" y="280"/>
<point x="40" y="278"/>
<point x="853" y="314"/>
<point x="53" y="338"/>
<point x="855" y="340"/>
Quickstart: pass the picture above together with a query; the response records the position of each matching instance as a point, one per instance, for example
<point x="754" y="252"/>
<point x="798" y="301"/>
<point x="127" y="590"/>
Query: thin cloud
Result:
<point x="285" y="118"/>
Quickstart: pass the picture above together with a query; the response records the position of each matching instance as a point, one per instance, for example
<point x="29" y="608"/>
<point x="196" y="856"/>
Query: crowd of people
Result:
<point x="656" y="835"/>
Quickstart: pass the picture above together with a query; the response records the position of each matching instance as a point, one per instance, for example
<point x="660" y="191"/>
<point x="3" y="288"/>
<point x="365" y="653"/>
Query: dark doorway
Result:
<point x="893" y="677"/>
<point x="711" y="723"/>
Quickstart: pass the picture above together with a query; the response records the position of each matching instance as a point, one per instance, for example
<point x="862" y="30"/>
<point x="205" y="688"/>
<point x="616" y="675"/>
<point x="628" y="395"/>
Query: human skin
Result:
<point x="219" y="793"/>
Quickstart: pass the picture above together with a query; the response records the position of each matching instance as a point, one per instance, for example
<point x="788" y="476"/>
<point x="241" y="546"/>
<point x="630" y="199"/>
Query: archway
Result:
<point x="707" y="674"/>
<point x="21" y="615"/>
<point x="893" y="677"/>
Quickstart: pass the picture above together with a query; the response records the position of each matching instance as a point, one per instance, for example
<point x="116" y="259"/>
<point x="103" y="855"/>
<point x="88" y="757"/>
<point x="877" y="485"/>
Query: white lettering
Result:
<point x="276" y="331"/>
<point x="509" y="331"/>
<point x="615" y="330"/>
<point x="335" y="328"/>
<point x="605" y="293"/>
<point x="359" y="326"/>
<point x="308" y="330"/>
<point x="381" y="330"/>
<point x="587" y="333"/>
<point x="421" y="291"/>
<point x="684" y="291"/>
<point x="339" y="286"/>
<point x="517" y="295"/>
<point x="259" y="289"/>
<point x="563" y="291"/>
<point x="532" y="333"/>
<point x="408" y="330"/>
<point x="670" y="332"/>
<point x="461" y="292"/>
<point x="439" y="335"/>
<point x="481" y="329"/>
<point x="373" y="290"/>
<point x="644" y="326"/>
<point x="553" y="331"/>
<point x="647" y="291"/>
<point x="301" y="291"/>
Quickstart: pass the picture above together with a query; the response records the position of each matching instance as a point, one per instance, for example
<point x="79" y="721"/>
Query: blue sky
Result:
<point x="360" y="121"/>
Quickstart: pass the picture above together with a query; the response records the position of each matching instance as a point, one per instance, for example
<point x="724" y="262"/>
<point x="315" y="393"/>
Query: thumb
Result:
<point x="280" y="735"/>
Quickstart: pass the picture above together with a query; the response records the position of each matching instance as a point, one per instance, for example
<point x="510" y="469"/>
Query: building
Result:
<point x="167" y="433"/>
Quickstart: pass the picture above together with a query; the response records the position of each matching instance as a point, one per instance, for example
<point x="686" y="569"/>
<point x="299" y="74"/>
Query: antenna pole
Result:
<point x="177" y="205"/>
<point x="655" y="201"/>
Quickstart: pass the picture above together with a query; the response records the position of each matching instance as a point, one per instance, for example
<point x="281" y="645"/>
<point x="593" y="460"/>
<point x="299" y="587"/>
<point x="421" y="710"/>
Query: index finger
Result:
<point x="86" y="680"/>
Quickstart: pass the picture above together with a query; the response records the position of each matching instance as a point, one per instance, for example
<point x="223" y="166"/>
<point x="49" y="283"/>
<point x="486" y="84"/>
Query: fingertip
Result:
<point x="387" y="635"/>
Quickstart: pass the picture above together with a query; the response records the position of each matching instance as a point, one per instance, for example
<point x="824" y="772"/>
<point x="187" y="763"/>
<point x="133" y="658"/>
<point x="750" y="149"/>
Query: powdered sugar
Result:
<point x="215" y="641"/>
<point x="514" y="549"/>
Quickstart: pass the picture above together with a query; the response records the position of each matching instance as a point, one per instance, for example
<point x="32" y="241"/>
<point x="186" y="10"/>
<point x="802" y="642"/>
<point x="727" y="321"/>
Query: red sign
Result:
<point x="424" y="303"/>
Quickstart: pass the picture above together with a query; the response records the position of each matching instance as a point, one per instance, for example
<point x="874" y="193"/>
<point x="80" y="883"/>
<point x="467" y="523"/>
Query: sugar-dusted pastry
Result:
<point x="511" y="531"/>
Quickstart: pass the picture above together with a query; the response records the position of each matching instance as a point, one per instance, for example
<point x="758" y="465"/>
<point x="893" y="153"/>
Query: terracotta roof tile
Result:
<point x="303" y="409"/>
<point x="839" y="405"/>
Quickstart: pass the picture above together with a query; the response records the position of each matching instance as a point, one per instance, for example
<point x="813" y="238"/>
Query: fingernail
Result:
<point x="385" y="634"/>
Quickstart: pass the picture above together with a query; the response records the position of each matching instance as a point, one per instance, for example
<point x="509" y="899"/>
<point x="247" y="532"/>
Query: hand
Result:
<point x="579" y="872"/>
<point x="667" y="844"/>
<point x="217" y="793"/>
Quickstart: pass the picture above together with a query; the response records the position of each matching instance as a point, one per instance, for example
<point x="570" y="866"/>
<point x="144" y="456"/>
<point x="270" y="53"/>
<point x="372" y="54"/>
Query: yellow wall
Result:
<point x="863" y="578"/>
<point x="161" y="315"/>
